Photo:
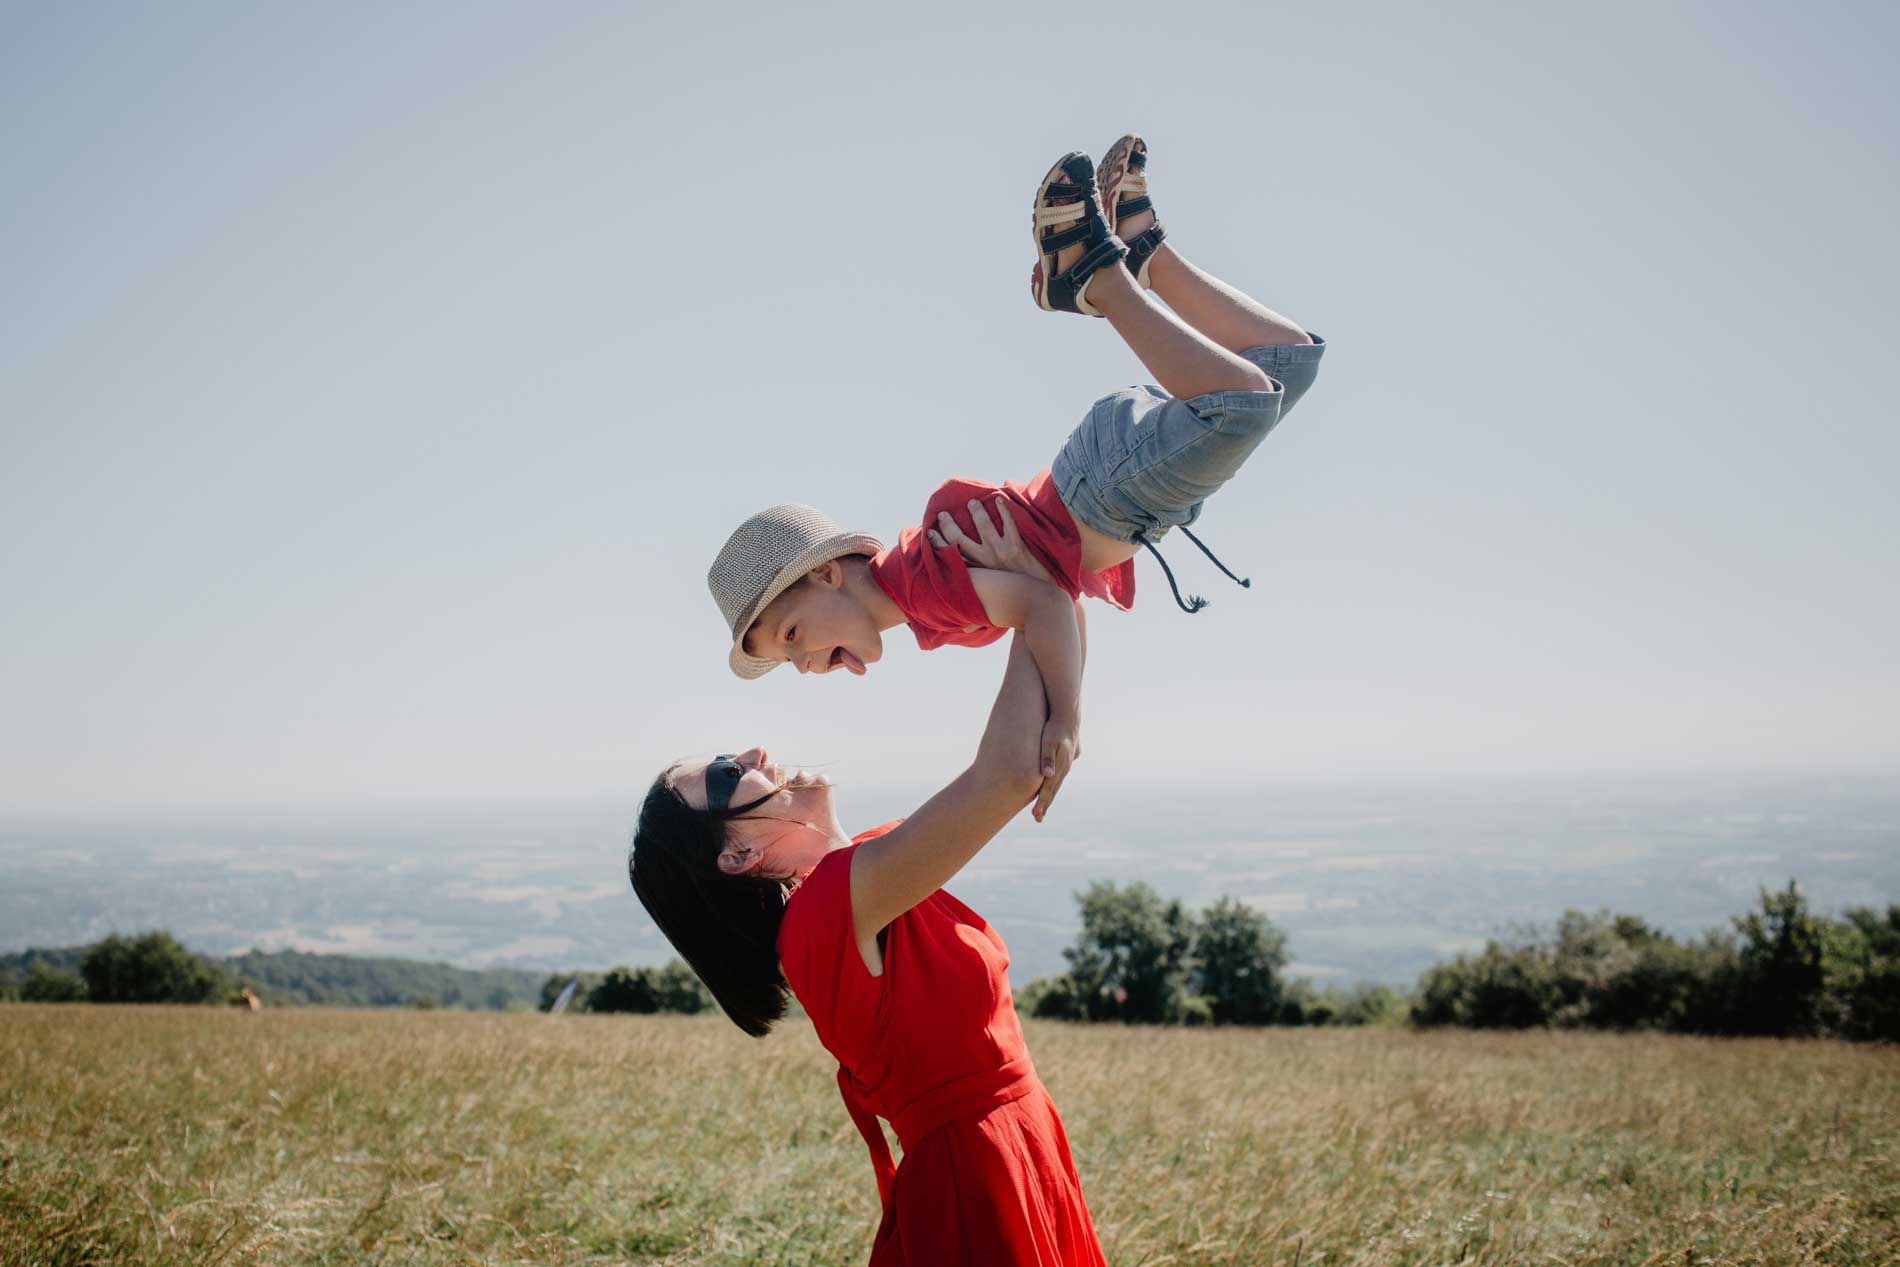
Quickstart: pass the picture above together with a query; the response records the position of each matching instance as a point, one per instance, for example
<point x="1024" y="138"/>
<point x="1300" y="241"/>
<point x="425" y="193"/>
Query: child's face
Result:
<point x="817" y="626"/>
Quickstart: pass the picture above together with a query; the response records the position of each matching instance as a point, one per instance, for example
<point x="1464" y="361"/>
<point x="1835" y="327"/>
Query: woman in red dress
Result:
<point x="744" y="867"/>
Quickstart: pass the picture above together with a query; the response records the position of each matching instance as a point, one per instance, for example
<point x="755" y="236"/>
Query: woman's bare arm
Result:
<point x="901" y="868"/>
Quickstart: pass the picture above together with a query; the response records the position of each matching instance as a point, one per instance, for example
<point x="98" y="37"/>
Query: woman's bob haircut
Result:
<point x="724" y="926"/>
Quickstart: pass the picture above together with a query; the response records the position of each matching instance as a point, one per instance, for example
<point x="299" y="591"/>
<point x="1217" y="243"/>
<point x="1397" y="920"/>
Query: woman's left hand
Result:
<point x="1000" y="549"/>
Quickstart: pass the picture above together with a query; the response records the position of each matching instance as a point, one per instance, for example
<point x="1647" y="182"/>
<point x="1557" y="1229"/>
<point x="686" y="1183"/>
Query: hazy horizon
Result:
<point x="1371" y="880"/>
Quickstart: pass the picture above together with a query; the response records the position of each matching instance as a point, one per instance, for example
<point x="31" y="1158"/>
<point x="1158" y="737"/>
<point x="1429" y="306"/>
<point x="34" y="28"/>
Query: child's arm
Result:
<point x="1047" y="618"/>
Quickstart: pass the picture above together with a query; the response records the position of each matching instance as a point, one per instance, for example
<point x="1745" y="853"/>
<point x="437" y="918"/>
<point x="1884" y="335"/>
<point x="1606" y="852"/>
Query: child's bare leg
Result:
<point x="1184" y="361"/>
<point x="1210" y="305"/>
<point x="1216" y="309"/>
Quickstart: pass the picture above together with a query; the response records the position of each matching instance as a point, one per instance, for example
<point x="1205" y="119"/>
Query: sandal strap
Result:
<point x="1141" y="251"/>
<point x="1062" y="189"/>
<point x="1064" y="214"/>
<point x="1107" y="251"/>
<point x="1137" y="159"/>
<point x="1133" y="206"/>
<point x="1052" y="242"/>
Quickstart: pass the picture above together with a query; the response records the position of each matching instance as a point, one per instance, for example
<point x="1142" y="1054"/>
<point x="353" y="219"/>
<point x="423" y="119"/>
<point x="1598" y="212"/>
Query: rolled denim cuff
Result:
<point x="1293" y="365"/>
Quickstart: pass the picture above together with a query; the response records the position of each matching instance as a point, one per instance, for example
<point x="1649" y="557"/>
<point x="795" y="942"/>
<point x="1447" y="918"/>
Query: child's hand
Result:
<point x="1061" y="746"/>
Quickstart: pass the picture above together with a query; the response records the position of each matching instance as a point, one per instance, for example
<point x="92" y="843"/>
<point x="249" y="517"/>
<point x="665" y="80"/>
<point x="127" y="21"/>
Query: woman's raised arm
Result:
<point x="901" y="868"/>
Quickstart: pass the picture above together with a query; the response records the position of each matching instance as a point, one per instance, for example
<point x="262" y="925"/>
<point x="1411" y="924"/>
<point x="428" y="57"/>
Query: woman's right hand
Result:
<point x="1000" y="549"/>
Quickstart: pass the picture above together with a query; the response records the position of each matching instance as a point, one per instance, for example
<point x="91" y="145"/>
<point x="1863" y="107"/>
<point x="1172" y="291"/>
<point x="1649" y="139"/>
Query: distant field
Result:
<point x="175" y="1136"/>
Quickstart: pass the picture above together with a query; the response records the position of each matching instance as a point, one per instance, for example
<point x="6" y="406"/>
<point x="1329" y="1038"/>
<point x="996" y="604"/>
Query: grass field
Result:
<point x="178" y="1136"/>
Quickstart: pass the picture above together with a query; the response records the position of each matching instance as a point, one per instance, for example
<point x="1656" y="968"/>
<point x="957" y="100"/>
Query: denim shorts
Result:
<point x="1143" y="462"/>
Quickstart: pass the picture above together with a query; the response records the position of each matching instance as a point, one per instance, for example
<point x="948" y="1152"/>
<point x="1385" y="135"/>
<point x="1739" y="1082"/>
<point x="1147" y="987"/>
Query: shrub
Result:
<point x="1053" y="998"/>
<point x="152" y="968"/>
<point x="44" y="983"/>
<point x="673" y="987"/>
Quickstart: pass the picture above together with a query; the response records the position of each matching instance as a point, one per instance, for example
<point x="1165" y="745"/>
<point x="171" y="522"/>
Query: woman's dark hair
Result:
<point x="724" y="926"/>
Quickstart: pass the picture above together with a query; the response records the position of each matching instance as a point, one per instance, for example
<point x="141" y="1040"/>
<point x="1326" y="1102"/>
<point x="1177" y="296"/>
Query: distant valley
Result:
<point x="1370" y="882"/>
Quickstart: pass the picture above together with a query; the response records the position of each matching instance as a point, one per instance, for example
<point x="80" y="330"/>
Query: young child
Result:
<point x="795" y="587"/>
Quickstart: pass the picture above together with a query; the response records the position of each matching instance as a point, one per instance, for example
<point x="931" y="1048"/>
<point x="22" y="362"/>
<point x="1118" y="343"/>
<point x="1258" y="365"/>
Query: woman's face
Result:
<point x="783" y="836"/>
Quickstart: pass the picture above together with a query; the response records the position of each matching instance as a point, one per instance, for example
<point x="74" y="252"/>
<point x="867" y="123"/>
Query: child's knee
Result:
<point x="1243" y="415"/>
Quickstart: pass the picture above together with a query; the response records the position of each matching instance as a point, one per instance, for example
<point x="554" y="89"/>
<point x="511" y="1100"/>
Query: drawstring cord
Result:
<point x="1193" y="602"/>
<point x="1245" y="582"/>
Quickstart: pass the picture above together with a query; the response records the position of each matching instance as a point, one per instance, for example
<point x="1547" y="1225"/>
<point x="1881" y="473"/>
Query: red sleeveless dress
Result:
<point x="933" y="1046"/>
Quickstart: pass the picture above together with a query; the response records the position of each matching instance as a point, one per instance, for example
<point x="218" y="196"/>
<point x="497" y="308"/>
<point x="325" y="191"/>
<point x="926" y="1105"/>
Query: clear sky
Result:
<point x="375" y="387"/>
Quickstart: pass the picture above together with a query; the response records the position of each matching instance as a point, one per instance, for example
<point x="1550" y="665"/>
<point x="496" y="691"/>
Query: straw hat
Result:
<point x="763" y="558"/>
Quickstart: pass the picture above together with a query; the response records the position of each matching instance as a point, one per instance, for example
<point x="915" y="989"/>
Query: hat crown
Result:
<point x="757" y="554"/>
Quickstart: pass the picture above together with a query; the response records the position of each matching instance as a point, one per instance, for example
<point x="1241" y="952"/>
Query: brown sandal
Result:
<point x="1068" y="210"/>
<point x="1123" y="179"/>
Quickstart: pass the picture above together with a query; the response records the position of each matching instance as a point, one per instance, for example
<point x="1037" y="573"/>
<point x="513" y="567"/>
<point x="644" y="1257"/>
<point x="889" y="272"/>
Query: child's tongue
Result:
<point x="845" y="659"/>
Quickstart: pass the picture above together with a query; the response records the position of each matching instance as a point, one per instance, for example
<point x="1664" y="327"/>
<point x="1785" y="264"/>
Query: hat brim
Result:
<point x="750" y="666"/>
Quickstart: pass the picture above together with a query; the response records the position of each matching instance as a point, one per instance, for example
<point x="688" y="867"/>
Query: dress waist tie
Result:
<point x="970" y="1096"/>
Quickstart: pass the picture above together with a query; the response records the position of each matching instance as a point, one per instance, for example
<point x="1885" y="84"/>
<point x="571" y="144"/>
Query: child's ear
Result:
<point x="829" y="574"/>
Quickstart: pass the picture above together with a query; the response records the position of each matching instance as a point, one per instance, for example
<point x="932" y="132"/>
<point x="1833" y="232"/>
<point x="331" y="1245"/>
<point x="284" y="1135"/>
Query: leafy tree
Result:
<point x="44" y="983"/>
<point x="1131" y="960"/>
<point x="1237" y="957"/>
<point x="152" y="968"/>
<point x="1863" y="971"/>
<point x="1781" y="964"/>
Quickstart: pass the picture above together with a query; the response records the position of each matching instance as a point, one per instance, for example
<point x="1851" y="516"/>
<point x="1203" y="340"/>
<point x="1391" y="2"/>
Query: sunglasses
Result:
<point x="723" y="773"/>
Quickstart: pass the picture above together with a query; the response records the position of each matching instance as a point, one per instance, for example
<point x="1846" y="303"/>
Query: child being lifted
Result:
<point x="794" y="587"/>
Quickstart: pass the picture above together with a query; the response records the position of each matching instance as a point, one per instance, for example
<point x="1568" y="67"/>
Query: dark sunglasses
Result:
<point x="723" y="773"/>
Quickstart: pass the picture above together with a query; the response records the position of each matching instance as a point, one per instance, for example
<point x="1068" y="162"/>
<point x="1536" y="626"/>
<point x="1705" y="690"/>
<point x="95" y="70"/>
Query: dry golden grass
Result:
<point x="174" y="1136"/>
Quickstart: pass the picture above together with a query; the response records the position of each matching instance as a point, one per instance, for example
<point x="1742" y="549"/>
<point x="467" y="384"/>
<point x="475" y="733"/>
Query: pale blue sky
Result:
<point x="375" y="387"/>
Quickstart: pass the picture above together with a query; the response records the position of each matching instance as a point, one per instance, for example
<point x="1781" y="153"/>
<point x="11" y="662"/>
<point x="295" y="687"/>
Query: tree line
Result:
<point x="154" y="968"/>
<point x="1779" y="970"/>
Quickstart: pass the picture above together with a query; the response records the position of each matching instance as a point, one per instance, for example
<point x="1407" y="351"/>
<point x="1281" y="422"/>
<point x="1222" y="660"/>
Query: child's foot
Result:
<point x="1073" y="237"/>
<point x="1058" y="193"/>
<point x="1123" y="182"/>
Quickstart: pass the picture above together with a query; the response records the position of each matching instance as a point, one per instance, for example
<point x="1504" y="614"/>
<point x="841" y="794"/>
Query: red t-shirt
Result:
<point x="932" y="585"/>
